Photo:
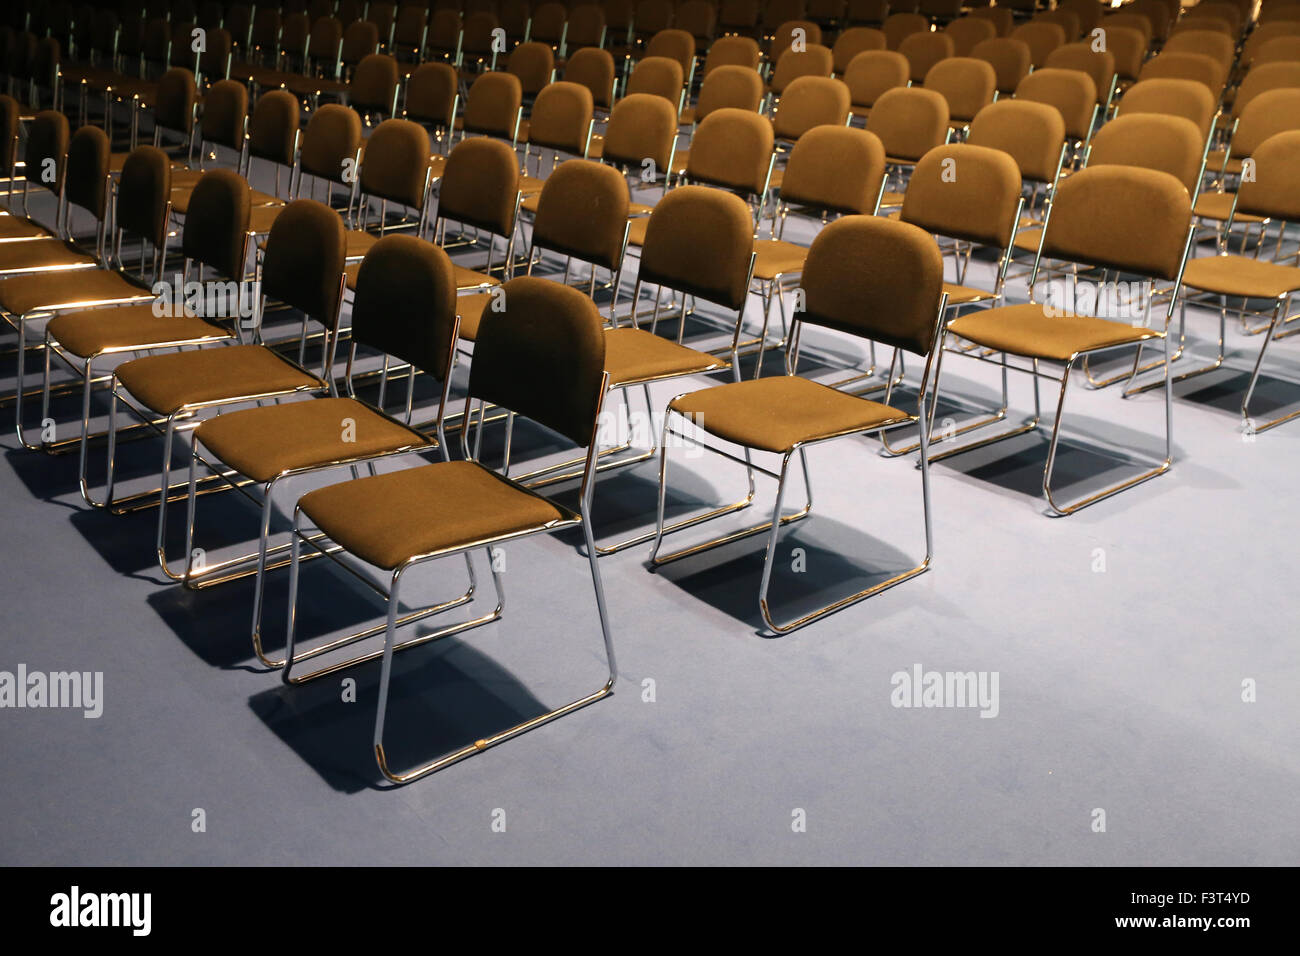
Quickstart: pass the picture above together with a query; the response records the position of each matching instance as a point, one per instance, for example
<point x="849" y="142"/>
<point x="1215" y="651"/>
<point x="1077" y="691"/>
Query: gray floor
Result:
<point x="1121" y="689"/>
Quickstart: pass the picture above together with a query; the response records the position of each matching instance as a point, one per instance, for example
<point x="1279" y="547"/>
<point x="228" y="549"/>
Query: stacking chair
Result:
<point x="176" y="389"/>
<point x="809" y="102"/>
<point x="215" y="236"/>
<point x="433" y="100"/>
<point x="273" y="136"/>
<point x="401" y="520"/>
<point x="1120" y="220"/>
<point x="1279" y="50"/>
<point x="1098" y="64"/>
<point x="404" y="308"/>
<point x="1269" y="196"/>
<point x="814" y="60"/>
<point x="534" y="64"/>
<point x="1129" y="48"/>
<point x="659" y="76"/>
<point x="224" y="123"/>
<point x="1032" y="134"/>
<point x="866" y="276"/>
<point x="478" y="42"/>
<point x="1073" y="93"/>
<point x="1129" y="21"/>
<point x="832" y="171"/>
<point x="1002" y="18"/>
<point x="784" y="37"/>
<point x="898" y="26"/>
<point x="850" y="43"/>
<point x="585" y="29"/>
<point x="494" y="107"/>
<point x="1218" y="47"/>
<point x="1067" y="20"/>
<point x="1187" y="66"/>
<point x="968" y="31"/>
<point x="331" y="152"/>
<point x="641" y="140"/>
<point x="676" y="45"/>
<point x="1185" y="98"/>
<point x="1010" y="58"/>
<point x="967" y="84"/>
<point x="446" y="37"/>
<point x="731" y="51"/>
<point x="563" y="122"/>
<point x="45" y="157"/>
<point x="1041" y="38"/>
<point x="395" y="168"/>
<point x="870" y="74"/>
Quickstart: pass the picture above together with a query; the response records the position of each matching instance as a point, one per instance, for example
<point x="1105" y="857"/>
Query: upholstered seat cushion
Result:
<point x="262" y="218"/>
<point x="21" y="228"/>
<point x="775" y="414"/>
<point x="262" y="443"/>
<point x="470" y="309"/>
<point x="87" y="334"/>
<point x="1027" y="240"/>
<point x="531" y="185"/>
<point x="635" y="355"/>
<point x="41" y="255"/>
<point x="181" y="196"/>
<point x="965" y="295"/>
<point x="1027" y="330"/>
<point x="390" y="518"/>
<point x="1218" y="206"/>
<point x="358" y="242"/>
<point x="44" y="292"/>
<point x="166" y="383"/>
<point x="776" y="257"/>
<point x="1241" y="276"/>
<point x="636" y="230"/>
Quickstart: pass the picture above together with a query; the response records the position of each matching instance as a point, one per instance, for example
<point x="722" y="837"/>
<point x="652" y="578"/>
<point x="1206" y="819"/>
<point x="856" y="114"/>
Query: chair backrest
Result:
<point x="876" y="278"/>
<point x="965" y="192"/>
<point x="445" y="30"/>
<point x="9" y="122"/>
<point x="790" y="36"/>
<point x="1274" y="194"/>
<point x="492" y="106"/>
<point x="776" y="12"/>
<point x="699" y="241"/>
<point x="966" y="83"/>
<point x="1002" y="18"/>
<point x="177" y="94"/>
<point x="331" y="140"/>
<point x="1209" y="42"/>
<point x="404" y="304"/>
<point x="273" y="130"/>
<point x="46" y="154"/>
<point x="1267" y="115"/>
<point x="1129" y="21"/>
<point x="853" y="41"/>
<point x="910" y="122"/>
<point x="586" y="27"/>
<point x="534" y="64"/>
<point x="808" y="102"/>
<point x="374" y="84"/>
<point x="732" y="148"/>
<point x="1172" y="144"/>
<point x="1278" y="50"/>
<point x="594" y="69"/>
<point x="924" y="50"/>
<point x="1100" y="65"/>
<point x="674" y="44"/>
<point x="562" y="118"/>
<point x="1185" y="98"/>
<point x="360" y="39"/>
<point x="1032" y="134"/>
<point x="1010" y="59"/>
<point x="395" y="164"/>
<point x="965" y="32"/>
<point x="814" y="60"/>
<point x="1067" y="20"/>
<point x="1120" y="217"/>
<point x="302" y="264"/>
<point x="582" y="212"/>
<point x="225" y="114"/>
<point x="873" y="72"/>
<point x="738" y="87"/>
<point x="1041" y="38"/>
<point x="87" y="182"/>
<point x="542" y="356"/>
<point x="698" y="18"/>
<point x="1265" y="77"/>
<point x="1070" y="91"/>
<point x="216" y="223"/>
<point x="657" y="75"/>
<point x="641" y="126"/>
<point x="431" y="93"/>
<point x="143" y="194"/>
<point x="1129" y="48"/>
<point x="480" y="186"/>
<point x="732" y="51"/>
<point x="836" y="169"/>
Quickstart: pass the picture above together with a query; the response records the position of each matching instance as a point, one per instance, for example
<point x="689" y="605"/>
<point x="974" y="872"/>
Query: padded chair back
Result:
<point x="924" y="50"/>
<point x="534" y="64"/>
<point x="8" y="134"/>
<point x="658" y="75"/>
<point x="873" y="72"/>
<point x="216" y="223"/>
<point x="1071" y="92"/>
<point x="302" y="265"/>
<point x="431" y="93"/>
<point x="851" y="42"/>
<point x="87" y="184"/>
<point x="642" y="126"/>
<point x="1186" y="66"/>
<point x="561" y="118"/>
<point x="582" y="212"/>
<point x="374" y="84"/>
<point x="1120" y="217"/>
<point x="732" y="51"/>
<point x="225" y="113"/>
<point x="1082" y="57"/>
<point x="808" y="102"/>
<point x="837" y="169"/>
<point x="46" y="155"/>
<point x="594" y="69"/>
<point x="272" y="132"/>
<point x="876" y="278"/>
<point x="910" y="122"/>
<point x="700" y="242"/>
<point x="480" y="186"/>
<point x="1171" y="144"/>
<point x="1185" y="98"/>
<point x="404" y="304"/>
<point x="737" y="87"/>
<point x="177" y="94"/>
<point x="966" y="83"/>
<point x="1010" y="59"/>
<point x="815" y="60"/>
<point x="492" y="106"/>
<point x="1267" y="115"/>
<point x="1041" y="38"/>
<point x="1274" y="196"/>
<point x="968" y="31"/>
<point x="733" y="149"/>
<point x="333" y="136"/>
<point x="543" y="357"/>
<point x="898" y="26"/>
<point x="143" y="191"/>
<point x="1032" y="134"/>
<point x="395" y="165"/>
<point x="965" y="192"/>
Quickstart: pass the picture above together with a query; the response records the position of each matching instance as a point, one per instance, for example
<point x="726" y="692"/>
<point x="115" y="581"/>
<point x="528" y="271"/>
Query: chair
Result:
<point x="550" y="26"/>
<point x="731" y="51"/>
<point x="1278" y="50"/>
<point x="1186" y="66"/>
<point x="534" y="65"/>
<point x="966" y="83"/>
<point x="1118" y="219"/>
<point x="554" y="333"/>
<point x="1185" y="98"/>
<point x="586" y="29"/>
<point x="738" y="87"/>
<point x="562" y="121"/>
<point x="1271" y="197"/>
<point x="331" y="152"/>
<point x="814" y="60"/>
<point x="872" y="73"/>
<point x="594" y="69"/>
<point x="1002" y="18"/>
<point x="865" y="276"/>
<point x="1032" y="134"/>
<point x="1010" y="59"/>
<point x="809" y="102"/>
<point x="659" y="76"/>
<point x="1215" y="45"/>
<point x="1041" y="38"/>
<point x="433" y="101"/>
<point x="494" y="107"/>
<point x="395" y="168"/>
<point x="924" y="50"/>
<point x="1129" y="48"/>
<point x="640" y="139"/>
<point x="898" y="26"/>
<point x="910" y="122"/>
<point x="404" y="307"/>
<point x="1070" y="91"/>
<point x="1099" y="65"/>
<point x="792" y="36"/>
<point x="1267" y="115"/>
